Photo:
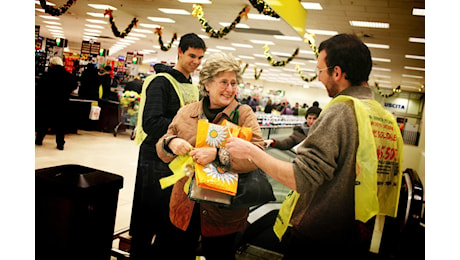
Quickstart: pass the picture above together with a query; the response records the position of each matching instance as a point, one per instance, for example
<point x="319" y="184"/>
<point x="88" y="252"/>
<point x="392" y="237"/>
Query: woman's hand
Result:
<point x="179" y="146"/>
<point x="204" y="155"/>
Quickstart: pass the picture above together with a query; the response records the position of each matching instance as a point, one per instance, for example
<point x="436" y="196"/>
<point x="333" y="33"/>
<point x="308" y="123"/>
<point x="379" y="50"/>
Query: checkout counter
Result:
<point x="79" y="110"/>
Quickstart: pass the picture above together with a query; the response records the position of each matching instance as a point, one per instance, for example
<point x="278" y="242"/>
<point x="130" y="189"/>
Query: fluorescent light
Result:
<point x="149" y="51"/>
<point x="212" y="50"/>
<point x="47" y="3"/>
<point x="322" y="32"/>
<point x="100" y="15"/>
<point x="306" y="52"/>
<point x="414" y="68"/>
<point x="418" y="11"/>
<point x="411" y="82"/>
<point x="288" y="38"/>
<point x="196" y="1"/>
<point x="417" y="40"/>
<point x="259" y="55"/>
<point x="161" y="19"/>
<point x="262" y="17"/>
<point x="51" y="22"/>
<point x="297" y="63"/>
<point x="174" y="11"/>
<point x="312" y="6"/>
<point x="412" y="76"/>
<point x="416" y="57"/>
<point x="242" y="45"/>
<point x="381" y="59"/>
<point x="382" y="76"/>
<point x="56" y="30"/>
<point x="370" y="24"/>
<point x="226" y="48"/>
<point x="377" y="46"/>
<point x="101" y="6"/>
<point x="97" y="21"/>
<point x="49" y="17"/>
<point x="262" y="42"/>
<point x="381" y="69"/>
<point x="149" y="25"/>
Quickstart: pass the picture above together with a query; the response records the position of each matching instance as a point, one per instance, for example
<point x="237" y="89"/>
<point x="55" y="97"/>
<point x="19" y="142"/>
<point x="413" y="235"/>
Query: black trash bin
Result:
<point x="75" y="210"/>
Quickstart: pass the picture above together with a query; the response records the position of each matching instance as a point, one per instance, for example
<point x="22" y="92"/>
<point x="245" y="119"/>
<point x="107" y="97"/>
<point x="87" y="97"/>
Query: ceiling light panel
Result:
<point x="311" y="6"/>
<point x="415" y="57"/>
<point x="288" y="38"/>
<point x="262" y="17"/>
<point x="262" y="42"/>
<point x="366" y="24"/>
<point x="377" y="46"/>
<point x="418" y="11"/>
<point x="240" y="45"/>
<point x="414" y="68"/>
<point x="174" y="11"/>
<point x="416" y="40"/>
<point x="93" y="14"/>
<point x="102" y="6"/>
<point x="161" y="19"/>
<point x="196" y="1"/>
<point x="322" y="32"/>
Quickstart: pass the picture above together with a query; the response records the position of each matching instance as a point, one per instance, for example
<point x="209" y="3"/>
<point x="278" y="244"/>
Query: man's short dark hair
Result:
<point x="313" y="110"/>
<point x="191" y="40"/>
<point x="349" y="53"/>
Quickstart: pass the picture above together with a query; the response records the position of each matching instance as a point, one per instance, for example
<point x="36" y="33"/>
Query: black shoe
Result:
<point x="60" y="147"/>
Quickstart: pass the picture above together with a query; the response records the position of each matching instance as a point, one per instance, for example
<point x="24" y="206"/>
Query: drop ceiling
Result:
<point x="391" y="66"/>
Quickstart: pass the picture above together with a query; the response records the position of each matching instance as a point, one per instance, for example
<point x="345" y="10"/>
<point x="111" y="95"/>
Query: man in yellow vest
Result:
<point x="162" y="95"/>
<point x="347" y="171"/>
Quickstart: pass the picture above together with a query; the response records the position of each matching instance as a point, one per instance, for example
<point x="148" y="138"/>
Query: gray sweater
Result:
<point x="325" y="174"/>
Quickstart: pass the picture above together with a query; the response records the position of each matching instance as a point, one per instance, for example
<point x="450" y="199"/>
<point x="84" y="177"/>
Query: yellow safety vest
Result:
<point x="187" y="93"/>
<point x="378" y="165"/>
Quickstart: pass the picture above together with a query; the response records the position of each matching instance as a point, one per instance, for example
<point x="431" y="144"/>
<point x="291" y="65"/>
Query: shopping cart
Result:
<point x="129" y="107"/>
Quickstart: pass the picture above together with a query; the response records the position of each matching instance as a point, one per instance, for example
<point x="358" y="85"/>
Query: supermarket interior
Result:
<point x="276" y="45"/>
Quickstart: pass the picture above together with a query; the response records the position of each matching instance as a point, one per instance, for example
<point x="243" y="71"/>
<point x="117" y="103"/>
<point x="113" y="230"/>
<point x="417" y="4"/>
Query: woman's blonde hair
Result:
<point x="215" y="64"/>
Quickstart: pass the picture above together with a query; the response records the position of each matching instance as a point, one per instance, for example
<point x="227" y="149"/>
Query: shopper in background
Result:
<point x="52" y="101"/>
<point x="160" y="101"/>
<point x="316" y="104"/>
<point x="325" y="170"/>
<point x="268" y="107"/>
<point x="303" y="110"/>
<point x="217" y="226"/>
<point x="135" y="85"/>
<point x="295" y="109"/>
<point x="253" y="103"/>
<point x="299" y="133"/>
<point x="287" y="110"/>
<point x="89" y="83"/>
<point x="106" y="81"/>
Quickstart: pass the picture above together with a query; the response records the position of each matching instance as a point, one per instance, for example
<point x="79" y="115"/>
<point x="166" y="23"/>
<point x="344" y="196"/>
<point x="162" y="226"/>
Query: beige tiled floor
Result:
<point x="118" y="155"/>
<point x="100" y="151"/>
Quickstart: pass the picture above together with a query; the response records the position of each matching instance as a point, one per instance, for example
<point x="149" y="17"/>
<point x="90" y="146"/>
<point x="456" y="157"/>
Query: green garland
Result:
<point x="198" y="12"/>
<point x="394" y="91"/>
<point x="244" y="68"/>
<point x="160" y="40"/>
<point x="263" y="8"/>
<point x="56" y="11"/>
<point x="310" y="39"/>
<point x="304" y="78"/>
<point x="114" y="27"/>
<point x="278" y="63"/>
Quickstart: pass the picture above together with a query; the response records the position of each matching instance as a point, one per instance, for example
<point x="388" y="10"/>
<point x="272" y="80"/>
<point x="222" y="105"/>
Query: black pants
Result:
<point x="42" y="130"/>
<point x="150" y="211"/>
<point x="186" y="244"/>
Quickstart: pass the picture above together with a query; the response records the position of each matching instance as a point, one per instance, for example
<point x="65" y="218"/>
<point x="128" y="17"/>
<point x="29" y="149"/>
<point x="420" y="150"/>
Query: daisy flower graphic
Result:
<point x="216" y="135"/>
<point x="216" y="172"/>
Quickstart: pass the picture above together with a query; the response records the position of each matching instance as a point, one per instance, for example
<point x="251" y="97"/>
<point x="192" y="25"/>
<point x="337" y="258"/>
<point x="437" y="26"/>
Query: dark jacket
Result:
<point x="89" y="83"/>
<point x="150" y="209"/>
<point x="298" y="135"/>
<point x="53" y="91"/>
